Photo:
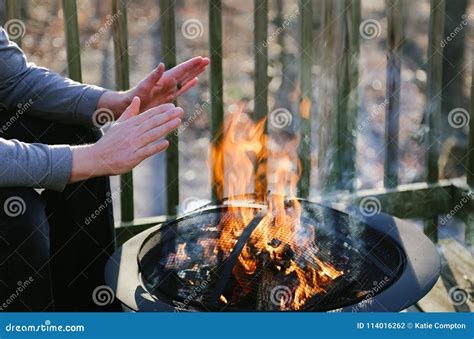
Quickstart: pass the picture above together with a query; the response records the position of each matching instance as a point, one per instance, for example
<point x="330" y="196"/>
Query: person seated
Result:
<point x="50" y="139"/>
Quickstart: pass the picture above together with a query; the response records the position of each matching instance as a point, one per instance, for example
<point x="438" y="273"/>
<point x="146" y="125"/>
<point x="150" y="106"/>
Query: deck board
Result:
<point x="457" y="270"/>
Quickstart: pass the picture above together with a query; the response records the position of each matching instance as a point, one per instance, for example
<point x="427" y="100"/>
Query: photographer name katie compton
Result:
<point x="439" y="326"/>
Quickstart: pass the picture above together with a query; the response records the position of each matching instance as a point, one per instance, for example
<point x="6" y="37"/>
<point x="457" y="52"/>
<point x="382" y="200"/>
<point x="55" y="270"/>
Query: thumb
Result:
<point x="155" y="75"/>
<point x="132" y="110"/>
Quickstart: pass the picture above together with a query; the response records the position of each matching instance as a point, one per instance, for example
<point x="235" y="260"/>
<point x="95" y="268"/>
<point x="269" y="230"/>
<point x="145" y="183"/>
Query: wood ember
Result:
<point x="275" y="289"/>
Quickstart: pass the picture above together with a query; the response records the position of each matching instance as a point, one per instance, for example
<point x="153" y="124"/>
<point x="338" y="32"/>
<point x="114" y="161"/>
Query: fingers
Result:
<point x="132" y="110"/>
<point x="138" y="120"/>
<point x="193" y="74"/>
<point x="182" y="70"/>
<point x="156" y="74"/>
<point x="187" y="86"/>
<point x="152" y="149"/>
<point x="158" y="132"/>
<point x="160" y="119"/>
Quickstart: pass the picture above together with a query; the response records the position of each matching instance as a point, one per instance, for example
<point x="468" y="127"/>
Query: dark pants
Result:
<point x="52" y="256"/>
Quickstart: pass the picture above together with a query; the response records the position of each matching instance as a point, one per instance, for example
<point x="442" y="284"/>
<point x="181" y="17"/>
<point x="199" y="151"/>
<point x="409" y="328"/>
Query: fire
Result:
<point x="223" y="299"/>
<point x="280" y="241"/>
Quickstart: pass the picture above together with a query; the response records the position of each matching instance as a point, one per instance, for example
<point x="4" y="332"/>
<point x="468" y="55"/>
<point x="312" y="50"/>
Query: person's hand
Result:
<point x="161" y="87"/>
<point x="129" y="141"/>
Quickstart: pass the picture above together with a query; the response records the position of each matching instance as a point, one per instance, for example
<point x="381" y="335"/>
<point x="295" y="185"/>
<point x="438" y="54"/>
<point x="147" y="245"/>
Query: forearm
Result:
<point x="85" y="164"/>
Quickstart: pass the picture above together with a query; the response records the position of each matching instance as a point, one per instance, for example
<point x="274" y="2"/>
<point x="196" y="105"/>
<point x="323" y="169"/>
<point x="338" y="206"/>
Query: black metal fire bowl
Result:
<point x="417" y="272"/>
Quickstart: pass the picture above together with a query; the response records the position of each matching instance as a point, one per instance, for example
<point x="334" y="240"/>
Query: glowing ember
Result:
<point x="281" y="248"/>
<point x="223" y="299"/>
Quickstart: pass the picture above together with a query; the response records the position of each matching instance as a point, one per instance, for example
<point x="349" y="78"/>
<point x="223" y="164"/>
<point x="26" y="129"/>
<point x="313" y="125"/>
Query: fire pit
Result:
<point x="271" y="252"/>
<point x="274" y="253"/>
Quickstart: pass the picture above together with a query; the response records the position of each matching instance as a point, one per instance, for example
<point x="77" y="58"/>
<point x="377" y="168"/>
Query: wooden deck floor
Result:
<point x="455" y="284"/>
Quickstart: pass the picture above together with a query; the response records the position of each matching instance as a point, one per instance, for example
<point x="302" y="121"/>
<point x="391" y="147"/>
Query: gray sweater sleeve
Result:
<point x="47" y="96"/>
<point x="34" y="165"/>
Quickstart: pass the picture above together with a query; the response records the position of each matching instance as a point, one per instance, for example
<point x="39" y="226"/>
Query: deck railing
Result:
<point x="341" y="21"/>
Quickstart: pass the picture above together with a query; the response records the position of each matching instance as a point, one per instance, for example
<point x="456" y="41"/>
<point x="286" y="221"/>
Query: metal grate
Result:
<point x="191" y="273"/>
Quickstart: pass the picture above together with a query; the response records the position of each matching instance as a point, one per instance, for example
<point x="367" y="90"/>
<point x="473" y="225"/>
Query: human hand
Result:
<point x="161" y="87"/>
<point x="129" y="141"/>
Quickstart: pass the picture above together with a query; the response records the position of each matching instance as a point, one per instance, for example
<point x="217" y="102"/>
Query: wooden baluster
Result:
<point x="338" y="114"/>
<point x="217" y="101"/>
<point x="469" y="220"/>
<point x="306" y="96"/>
<point x="392" y="112"/>
<point x="470" y="161"/>
<point x="433" y="102"/>
<point x="167" y="22"/>
<point x="122" y="80"/>
<point x="261" y="89"/>
<point x="73" y="47"/>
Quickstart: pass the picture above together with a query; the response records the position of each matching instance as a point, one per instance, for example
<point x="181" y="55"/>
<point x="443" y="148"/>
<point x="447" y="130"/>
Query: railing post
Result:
<point x="470" y="159"/>
<point x="306" y="96"/>
<point x="326" y="88"/>
<point x="339" y="97"/>
<point x="122" y="80"/>
<point x="13" y="11"/>
<point x="167" y="22"/>
<point x="392" y="112"/>
<point x="73" y="48"/>
<point x="347" y="96"/>
<point x="217" y="101"/>
<point x="469" y="220"/>
<point x="433" y="101"/>
<point x="261" y="89"/>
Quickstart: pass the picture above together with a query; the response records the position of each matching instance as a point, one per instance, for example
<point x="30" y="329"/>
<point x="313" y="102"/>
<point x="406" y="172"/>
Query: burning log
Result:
<point x="274" y="287"/>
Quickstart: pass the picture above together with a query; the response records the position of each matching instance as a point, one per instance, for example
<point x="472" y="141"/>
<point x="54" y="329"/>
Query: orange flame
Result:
<point x="242" y="148"/>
